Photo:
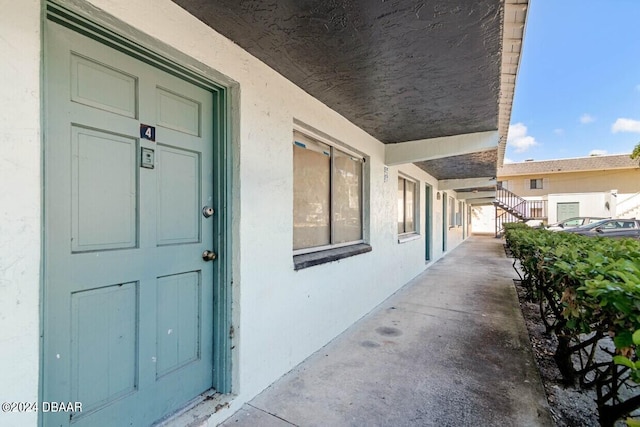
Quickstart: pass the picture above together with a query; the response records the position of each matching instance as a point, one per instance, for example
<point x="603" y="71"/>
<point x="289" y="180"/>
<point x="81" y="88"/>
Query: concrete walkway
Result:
<point x="448" y="349"/>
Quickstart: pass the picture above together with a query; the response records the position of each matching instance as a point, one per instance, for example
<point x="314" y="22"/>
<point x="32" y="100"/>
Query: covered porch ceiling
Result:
<point x="433" y="79"/>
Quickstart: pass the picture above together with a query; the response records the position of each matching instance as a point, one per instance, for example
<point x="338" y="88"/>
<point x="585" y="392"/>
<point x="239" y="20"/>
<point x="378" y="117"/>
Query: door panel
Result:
<point x="104" y="339"/>
<point x="178" y="322"/>
<point x="178" y="112"/>
<point x="104" y="187"/>
<point x="128" y="299"/>
<point x="90" y="81"/>
<point x="178" y="196"/>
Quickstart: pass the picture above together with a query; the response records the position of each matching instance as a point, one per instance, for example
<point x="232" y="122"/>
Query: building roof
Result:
<point x="578" y="164"/>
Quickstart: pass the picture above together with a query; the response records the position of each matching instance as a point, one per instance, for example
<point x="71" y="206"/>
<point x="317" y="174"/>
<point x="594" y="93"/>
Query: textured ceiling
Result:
<point x="402" y="70"/>
<point x="482" y="164"/>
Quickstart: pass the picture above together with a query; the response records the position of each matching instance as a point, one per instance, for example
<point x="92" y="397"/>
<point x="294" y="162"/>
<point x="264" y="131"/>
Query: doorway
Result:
<point x="132" y="221"/>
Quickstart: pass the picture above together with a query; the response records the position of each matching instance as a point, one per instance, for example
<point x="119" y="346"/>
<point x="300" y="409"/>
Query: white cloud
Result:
<point x="626" y="125"/>
<point x="518" y="138"/>
<point x="586" y="118"/>
<point x="597" y="152"/>
<point x="507" y="160"/>
<point x="558" y="131"/>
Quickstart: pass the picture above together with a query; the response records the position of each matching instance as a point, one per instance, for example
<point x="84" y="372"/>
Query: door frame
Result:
<point x="428" y="229"/>
<point x="102" y="27"/>
<point x="445" y="219"/>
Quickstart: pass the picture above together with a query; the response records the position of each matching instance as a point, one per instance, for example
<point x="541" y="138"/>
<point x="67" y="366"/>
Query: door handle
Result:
<point x="208" y="255"/>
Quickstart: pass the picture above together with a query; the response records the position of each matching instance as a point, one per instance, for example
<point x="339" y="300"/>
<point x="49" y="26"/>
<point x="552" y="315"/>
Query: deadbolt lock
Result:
<point x="207" y="211"/>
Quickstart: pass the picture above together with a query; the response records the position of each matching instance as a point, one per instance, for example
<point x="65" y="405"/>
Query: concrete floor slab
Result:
<point x="449" y="349"/>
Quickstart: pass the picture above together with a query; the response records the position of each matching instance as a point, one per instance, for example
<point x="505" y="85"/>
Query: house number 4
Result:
<point x="147" y="132"/>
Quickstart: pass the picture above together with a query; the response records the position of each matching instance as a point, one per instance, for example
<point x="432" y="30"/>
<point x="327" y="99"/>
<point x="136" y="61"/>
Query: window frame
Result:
<point x="533" y="183"/>
<point x="416" y="207"/>
<point x="459" y="213"/>
<point x="333" y="146"/>
<point x="452" y="212"/>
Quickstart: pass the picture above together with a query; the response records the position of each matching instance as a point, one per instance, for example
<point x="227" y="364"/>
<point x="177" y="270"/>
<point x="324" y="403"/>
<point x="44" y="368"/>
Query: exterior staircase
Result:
<point x="629" y="207"/>
<point x="512" y="208"/>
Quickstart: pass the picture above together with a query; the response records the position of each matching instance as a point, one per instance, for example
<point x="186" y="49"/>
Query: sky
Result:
<point x="578" y="86"/>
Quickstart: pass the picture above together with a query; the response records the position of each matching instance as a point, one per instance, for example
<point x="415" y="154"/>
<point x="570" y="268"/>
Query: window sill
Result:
<point x="329" y="255"/>
<point x="408" y="237"/>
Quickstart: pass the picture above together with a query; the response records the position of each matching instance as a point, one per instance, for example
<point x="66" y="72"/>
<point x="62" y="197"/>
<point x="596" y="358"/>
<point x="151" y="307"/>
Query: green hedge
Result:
<point x="588" y="289"/>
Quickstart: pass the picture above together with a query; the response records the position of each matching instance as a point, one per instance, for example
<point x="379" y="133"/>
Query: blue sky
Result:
<point x="578" y="87"/>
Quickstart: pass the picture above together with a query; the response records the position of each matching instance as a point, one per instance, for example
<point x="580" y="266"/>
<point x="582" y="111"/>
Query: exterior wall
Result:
<point x="589" y="204"/>
<point x="20" y="209"/>
<point x="598" y="192"/>
<point x="623" y="180"/>
<point x="280" y="315"/>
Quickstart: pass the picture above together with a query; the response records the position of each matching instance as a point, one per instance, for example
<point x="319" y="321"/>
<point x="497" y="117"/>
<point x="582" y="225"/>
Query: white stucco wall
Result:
<point x="590" y="204"/>
<point x="20" y="210"/>
<point x="280" y="316"/>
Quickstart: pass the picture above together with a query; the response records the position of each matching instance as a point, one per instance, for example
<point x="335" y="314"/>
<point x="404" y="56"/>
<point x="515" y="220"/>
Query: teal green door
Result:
<point x="568" y="210"/>
<point x="445" y="225"/>
<point x="128" y="297"/>
<point x="428" y="226"/>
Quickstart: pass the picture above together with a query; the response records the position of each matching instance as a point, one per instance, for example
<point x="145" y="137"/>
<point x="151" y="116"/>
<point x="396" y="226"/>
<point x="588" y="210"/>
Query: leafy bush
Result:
<point x="588" y="290"/>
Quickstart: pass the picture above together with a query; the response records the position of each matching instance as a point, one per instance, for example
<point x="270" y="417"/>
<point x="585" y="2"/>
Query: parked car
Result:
<point x="615" y="228"/>
<point x="573" y="222"/>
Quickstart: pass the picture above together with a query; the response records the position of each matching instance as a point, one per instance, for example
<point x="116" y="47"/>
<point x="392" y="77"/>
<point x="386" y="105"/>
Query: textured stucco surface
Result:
<point x="482" y="164"/>
<point x="280" y="316"/>
<point x="20" y="210"/>
<point x="401" y="70"/>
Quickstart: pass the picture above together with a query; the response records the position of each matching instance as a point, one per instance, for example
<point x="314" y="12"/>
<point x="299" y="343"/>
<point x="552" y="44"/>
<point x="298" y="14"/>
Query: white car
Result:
<point x="573" y="222"/>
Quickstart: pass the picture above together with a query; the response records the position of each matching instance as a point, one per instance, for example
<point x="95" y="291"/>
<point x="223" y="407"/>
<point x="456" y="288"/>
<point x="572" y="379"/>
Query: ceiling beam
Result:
<point x="476" y="195"/>
<point x="437" y="148"/>
<point x="485" y="201"/>
<point x="455" y="184"/>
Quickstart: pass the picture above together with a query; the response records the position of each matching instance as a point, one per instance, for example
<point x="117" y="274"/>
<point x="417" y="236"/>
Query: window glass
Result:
<point x="452" y="212"/>
<point x="406" y="206"/>
<point x="347" y="197"/>
<point x="410" y="194"/>
<point x="535" y="184"/>
<point x="311" y="194"/>
<point x="400" y="205"/>
<point x="327" y="195"/>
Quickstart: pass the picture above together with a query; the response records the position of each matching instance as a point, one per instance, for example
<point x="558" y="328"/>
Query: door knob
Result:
<point x="208" y="255"/>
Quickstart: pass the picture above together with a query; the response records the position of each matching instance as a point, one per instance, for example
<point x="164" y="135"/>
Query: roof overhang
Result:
<point x="434" y="80"/>
<point x="471" y="195"/>
<point x="466" y="183"/>
<point x="481" y="202"/>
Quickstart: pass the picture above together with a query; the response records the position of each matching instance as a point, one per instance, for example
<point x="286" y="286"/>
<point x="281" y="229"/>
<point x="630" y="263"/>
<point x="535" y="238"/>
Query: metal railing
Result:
<point x="512" y="208"/>
<point x="626" y="206"/>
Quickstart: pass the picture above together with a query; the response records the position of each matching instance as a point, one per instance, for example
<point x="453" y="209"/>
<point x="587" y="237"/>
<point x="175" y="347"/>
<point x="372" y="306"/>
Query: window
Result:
<point x="459" y="214"/>
<point x="452" y="212"/>
<point x="407" y="194"/>
<point x="535" y="184"/>
<point x="327" y="196"/>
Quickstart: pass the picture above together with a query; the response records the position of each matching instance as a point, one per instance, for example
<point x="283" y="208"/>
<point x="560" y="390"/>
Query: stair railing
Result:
<point x="627" y="205"/>
<point x="511" y="202"/>
<point x="512" y="208"/>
